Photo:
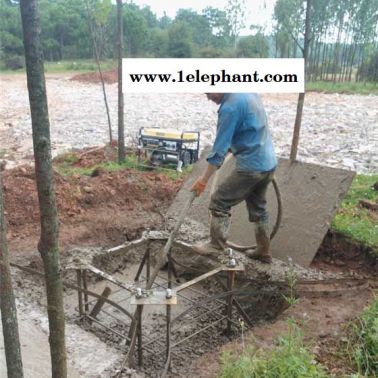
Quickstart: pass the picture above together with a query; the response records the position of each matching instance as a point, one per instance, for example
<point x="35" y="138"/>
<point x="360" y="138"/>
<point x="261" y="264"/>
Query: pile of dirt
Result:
<point x="105" y="209"/>
<point x="110" y="77"/>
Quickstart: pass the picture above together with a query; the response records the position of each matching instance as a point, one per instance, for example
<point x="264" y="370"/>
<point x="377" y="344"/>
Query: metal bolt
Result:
<point x="232" y="263"/>
<point x="139" y="293"/>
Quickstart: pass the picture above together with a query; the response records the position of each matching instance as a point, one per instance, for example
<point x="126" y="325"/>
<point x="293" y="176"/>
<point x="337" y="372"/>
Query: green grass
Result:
<point x="351" y="88"/>
<point x="363" y="341"/>
<point x="78" y="65"/>
<point x="355" y="222"/>
<point x="290" y="358"/>
<point x="65" y="165"/>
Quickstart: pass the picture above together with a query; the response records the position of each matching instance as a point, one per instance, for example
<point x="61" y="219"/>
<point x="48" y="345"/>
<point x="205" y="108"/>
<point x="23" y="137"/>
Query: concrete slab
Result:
<point x="310" y="196"/>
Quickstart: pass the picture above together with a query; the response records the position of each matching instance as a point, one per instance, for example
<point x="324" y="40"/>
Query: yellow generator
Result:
<point x="169" y="146"/>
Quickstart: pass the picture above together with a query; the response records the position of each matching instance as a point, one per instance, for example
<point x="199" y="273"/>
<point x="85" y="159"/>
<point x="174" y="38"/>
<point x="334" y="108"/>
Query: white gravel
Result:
<point x="337" y="130"/>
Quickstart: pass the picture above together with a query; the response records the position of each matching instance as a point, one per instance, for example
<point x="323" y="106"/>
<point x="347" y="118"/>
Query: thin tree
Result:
<point x="236" y="14"/>
<point x="48" y="244"/>
<point x="121" y="134"/>
<point x="7" y="301"/>
<point x="301" y="97"/>
<point x="97" y="59"/>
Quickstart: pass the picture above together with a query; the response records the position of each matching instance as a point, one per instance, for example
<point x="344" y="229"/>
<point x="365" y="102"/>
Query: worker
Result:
<point x="242" y="129"/>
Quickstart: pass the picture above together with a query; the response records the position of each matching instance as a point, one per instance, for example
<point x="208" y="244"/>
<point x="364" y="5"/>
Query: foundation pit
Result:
<point x="214" y="304"/>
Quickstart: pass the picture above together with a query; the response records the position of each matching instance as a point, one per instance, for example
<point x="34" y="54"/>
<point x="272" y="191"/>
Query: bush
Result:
<point x="363" y="343"/>
<point x="14" y="62"/>
<point x="289" y="359"/>
<point x="210" y="52"/>
<point x="369" y="69"/>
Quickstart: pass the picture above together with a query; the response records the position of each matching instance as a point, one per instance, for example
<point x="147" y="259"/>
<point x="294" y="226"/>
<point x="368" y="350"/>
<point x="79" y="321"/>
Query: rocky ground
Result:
<point x="338" y="130"/>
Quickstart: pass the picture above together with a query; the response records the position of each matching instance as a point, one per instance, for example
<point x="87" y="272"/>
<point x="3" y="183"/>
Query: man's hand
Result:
<point x="199" y="186"/>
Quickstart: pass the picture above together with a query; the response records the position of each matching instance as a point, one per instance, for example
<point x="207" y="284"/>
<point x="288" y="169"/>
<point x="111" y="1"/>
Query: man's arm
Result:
<point x="227" y="121"/>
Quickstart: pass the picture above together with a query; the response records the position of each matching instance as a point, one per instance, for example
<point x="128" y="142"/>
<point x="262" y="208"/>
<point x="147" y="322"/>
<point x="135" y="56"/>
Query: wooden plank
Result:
<point x="101" y="301"/>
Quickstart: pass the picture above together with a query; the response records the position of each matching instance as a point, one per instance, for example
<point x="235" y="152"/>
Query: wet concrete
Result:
<point x="310" y="196"/>
<point x="198" y="325"/>
<point x="35" y="350"/>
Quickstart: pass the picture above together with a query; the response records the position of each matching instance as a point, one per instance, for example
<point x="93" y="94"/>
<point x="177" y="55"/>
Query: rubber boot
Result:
<point x="262" y="252"/>
<point x="218" y="235"/>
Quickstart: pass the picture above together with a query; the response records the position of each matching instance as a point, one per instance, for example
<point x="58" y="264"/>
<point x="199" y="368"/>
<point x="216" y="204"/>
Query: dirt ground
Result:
<point x="104" y="210"/>
<point x="107" y="208"/>
<point x="109" y="77"/>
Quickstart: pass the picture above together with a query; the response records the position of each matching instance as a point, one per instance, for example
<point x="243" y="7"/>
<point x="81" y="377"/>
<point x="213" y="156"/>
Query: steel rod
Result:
<point x="140" y="349"/>
<point x="85" y="287"/>
<point x="141" y="266"/>
<point x="238" y="306"/>
<point x="148" y="263"/>
<point x="115" y="317"/>
<point x="108" y="277"/>
<point x="198" y="279"/>
<point x="116" y="332"/>
<point x="230" y="286"/>
<point x="199" y="331"/>
<point x="79" y="293"/>
<point x="94" y="320"/>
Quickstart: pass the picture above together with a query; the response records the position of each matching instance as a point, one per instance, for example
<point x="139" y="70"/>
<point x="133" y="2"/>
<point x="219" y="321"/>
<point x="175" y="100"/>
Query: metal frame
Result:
<point x="223" y="306"/>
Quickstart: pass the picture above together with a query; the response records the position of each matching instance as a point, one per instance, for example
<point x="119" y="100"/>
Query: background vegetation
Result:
<point x="343" y="46"/>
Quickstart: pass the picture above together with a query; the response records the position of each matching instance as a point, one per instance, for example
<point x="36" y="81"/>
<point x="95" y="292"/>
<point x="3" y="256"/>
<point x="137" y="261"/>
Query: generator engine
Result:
<point x="164" y="146"/>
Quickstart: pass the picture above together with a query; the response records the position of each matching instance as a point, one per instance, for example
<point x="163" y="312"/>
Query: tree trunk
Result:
<point x="324" y="61"/>
<point x="310" y="63"/>
<point x="317" y="62"/>
<point x="345" y="54"/>
<point x="301" y="97"/>
<point x="7" y="302"/>
<point x="61" y="45"/>
<point x="328" y="63"/>
<point x="48" y="243"/>
<point x="337" y="49"/>
<point x="351" y="63"/>
<point x="276" y="44"/>
<point x="121" y="135"/>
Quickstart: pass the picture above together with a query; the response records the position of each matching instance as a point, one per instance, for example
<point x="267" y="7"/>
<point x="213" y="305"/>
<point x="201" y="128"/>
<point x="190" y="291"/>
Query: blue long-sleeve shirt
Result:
<point x="243" y="128"/>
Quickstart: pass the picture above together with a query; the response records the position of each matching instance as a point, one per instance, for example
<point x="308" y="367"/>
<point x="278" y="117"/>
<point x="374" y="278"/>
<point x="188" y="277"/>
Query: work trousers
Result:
<point x="239" y="186"/>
